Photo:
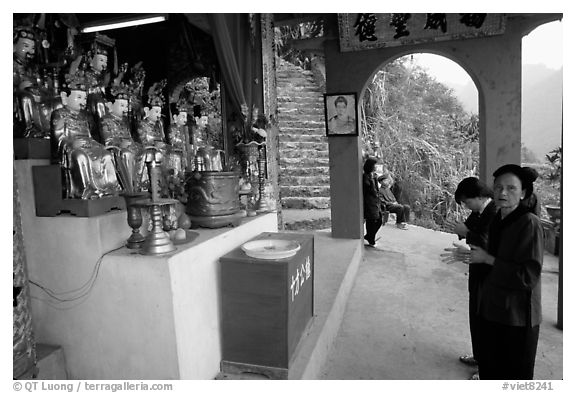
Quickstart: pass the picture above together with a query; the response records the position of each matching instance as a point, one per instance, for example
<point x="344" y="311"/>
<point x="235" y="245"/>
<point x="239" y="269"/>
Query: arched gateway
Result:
<point x="492" y="58"/>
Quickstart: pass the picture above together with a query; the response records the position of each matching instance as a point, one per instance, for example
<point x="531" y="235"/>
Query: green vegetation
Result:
<point x="547" y="186"/>
<point x="423" y="135"/>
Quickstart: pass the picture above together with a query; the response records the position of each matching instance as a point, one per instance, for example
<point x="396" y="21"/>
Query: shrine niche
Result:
<point x="371" y="31"/>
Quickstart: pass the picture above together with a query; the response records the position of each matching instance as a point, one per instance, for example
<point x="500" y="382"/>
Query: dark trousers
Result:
<point x="372" y="227"/>
<point x="474" y="320"/>
<point x="402" y="212"/>
<point x="508" y="352"/>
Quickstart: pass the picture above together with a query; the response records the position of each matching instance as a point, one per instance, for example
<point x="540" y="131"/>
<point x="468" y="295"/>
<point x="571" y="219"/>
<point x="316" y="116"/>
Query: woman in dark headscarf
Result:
<point x="510" y="297"/>
<point x="372" y="213"/>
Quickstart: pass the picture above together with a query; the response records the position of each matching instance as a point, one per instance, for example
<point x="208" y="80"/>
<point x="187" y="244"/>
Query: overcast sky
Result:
<point x="542" y="46"/>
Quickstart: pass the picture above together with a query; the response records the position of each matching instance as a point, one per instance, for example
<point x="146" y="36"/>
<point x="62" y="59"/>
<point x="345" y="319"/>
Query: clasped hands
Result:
<point x="460" y="253"/>
<point x="456" y="227"/>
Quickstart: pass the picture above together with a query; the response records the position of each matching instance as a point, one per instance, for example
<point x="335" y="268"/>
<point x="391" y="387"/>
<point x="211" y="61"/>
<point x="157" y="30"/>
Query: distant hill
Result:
<point x="541" y="107"/>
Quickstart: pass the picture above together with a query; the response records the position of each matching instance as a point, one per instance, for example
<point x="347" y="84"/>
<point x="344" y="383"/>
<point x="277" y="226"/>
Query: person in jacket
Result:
<point x="372" y="213"/>
<point x="389" y="202"/>
<point x="476" y="196"/>
<point x="510" y="297"/>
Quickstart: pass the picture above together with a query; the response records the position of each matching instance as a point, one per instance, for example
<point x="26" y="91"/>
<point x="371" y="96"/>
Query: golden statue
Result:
<point x="33" y="103"/>
<point x="89" y="167"/>
<point x="150" y="128"/>
<point x="96" y="65"/>
<point x="179" y="139"/>
<point x="115" y="133"/>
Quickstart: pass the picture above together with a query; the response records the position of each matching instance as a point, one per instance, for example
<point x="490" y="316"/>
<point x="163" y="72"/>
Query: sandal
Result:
<point x="468" y="360"/>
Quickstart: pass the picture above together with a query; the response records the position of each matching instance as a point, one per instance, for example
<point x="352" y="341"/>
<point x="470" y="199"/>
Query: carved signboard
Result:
<point x="371" y="31"/>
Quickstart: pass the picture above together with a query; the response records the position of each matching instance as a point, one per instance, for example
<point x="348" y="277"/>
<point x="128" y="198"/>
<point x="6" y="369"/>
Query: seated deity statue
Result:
<point x="32" y="104"/>
<point x="115" y="133"/>
<point x="97" y="65"/>
<point x="150" y="128"/>
<point x="178" y="138"/>
<point x="88" y="166"/>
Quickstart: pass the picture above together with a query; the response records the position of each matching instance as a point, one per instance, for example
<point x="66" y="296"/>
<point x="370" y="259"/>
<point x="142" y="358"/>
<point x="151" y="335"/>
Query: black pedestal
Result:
<point x="31" y="148"/>
<point x="266" y="306"/>
<point x="48" y="199"/>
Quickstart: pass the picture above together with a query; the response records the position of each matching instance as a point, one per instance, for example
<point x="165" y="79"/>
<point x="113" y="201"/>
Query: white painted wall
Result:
<point x="145" y="317"/>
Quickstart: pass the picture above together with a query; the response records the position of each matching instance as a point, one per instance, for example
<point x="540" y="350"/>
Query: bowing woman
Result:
<point x="510" y="297"/>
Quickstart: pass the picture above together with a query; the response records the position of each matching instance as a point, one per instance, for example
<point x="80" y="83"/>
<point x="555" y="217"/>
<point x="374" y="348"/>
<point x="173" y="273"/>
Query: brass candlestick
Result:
<point x="157" y="241"/>
<point x="134" y="218"/>
<point x="261" y="205"/>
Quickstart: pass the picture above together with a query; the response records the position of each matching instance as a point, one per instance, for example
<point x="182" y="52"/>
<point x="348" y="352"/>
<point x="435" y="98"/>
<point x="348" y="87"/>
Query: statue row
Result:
<point x="102" y="132"/>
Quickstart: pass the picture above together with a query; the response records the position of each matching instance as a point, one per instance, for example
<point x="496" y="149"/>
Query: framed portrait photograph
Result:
<point x="341" y="114"/>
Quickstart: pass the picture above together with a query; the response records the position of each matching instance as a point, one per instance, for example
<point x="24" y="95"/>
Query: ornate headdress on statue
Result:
<point x="120" y="92"/>
<point x="77" y="81"/>
<point x="76" y="78"/>
<point x="155" y="97"/>
<point x="182" y="105"/>
<point x="100" y="44"/>
<point x="24" y="32"/>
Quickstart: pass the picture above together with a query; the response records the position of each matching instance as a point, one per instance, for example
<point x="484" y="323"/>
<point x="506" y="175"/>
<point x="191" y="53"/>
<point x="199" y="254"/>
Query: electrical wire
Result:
<point x="79" y="292"/>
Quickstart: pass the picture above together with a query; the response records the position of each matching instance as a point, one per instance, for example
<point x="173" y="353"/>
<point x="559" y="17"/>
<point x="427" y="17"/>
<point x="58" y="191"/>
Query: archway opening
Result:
<point x="419" y="115"/>
<point x="542" y="75"/>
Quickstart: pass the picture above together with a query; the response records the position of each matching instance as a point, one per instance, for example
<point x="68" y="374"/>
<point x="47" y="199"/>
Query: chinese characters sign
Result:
<point x="370" y="31"/>
<point x="303" y="273"/>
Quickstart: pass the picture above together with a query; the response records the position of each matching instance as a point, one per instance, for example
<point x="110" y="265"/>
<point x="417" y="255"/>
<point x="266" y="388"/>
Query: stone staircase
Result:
<point x="304" y="169"/>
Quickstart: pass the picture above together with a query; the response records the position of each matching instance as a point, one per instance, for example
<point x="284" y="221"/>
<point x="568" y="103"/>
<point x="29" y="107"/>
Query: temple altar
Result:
<point x="122" y="315"/>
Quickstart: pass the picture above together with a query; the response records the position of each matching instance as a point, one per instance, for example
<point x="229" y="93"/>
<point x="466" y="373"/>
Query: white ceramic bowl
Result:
<point x="271" y="248"/>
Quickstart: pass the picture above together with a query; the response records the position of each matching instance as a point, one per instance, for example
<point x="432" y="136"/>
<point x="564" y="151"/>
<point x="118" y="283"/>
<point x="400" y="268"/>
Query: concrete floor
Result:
<point x="407" y="314"/>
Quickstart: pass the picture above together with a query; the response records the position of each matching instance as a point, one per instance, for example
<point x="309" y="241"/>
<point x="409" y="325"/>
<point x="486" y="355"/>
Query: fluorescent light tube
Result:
<point x="118" y="25"/>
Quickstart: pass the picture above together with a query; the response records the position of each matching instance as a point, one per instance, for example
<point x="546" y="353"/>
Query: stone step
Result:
<point x="300" y="115"/>
<point x="313" y="133"/>
<point x="306" y="180"/>
<point x="288" y="93"/>
<point x="302" y="125"/>
<point x="305" y="171"/>
<point x="313" y="224"/>
<point x="305" y="203"/>
<point x="305" y="147"/>
<point x="305" y="154"/>
<point x="292" y="72"/>
<point x="305" y="174"/>
<point x="319" y="137"/>
<point x="301" y="112"/>
<point x="300" y="119"/>
<point x="297" y="86"/>
<point x="314" y="106"/>
<point x="309" y="99"/>
<point x="303" y="161"/>
<point x="305" y="191"/>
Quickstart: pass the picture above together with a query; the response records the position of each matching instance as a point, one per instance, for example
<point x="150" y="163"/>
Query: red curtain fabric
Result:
<point x="237" y="58"/>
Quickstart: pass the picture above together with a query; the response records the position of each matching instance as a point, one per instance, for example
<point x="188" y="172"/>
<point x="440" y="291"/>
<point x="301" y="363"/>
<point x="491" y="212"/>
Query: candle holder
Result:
<point x="134" y="215"/>
<point x="157" y="241"/>
<point x="261" y="206"/>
